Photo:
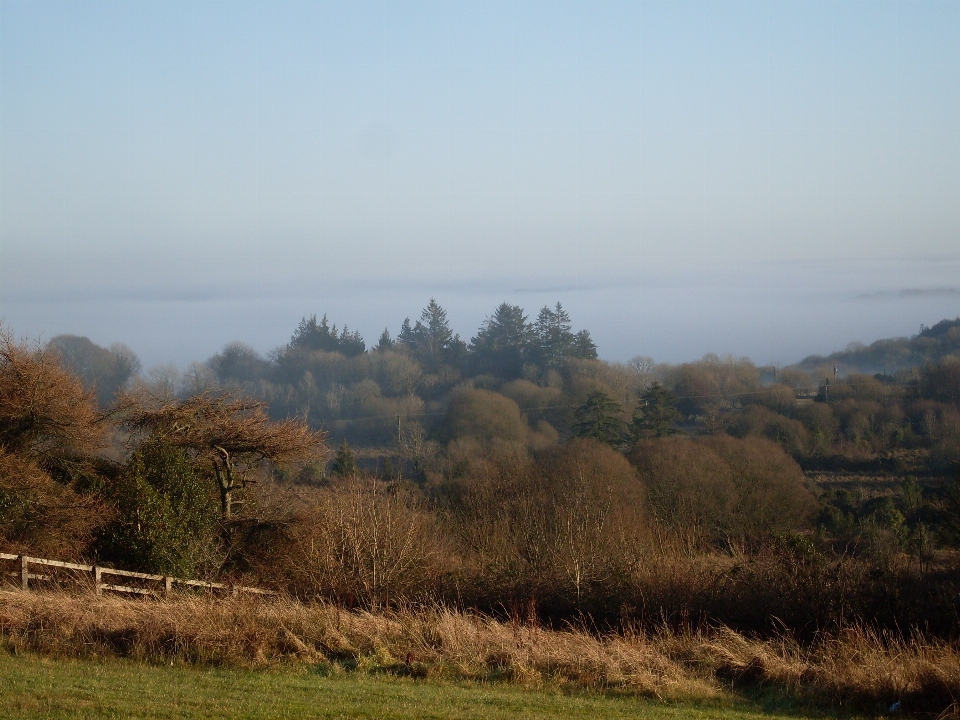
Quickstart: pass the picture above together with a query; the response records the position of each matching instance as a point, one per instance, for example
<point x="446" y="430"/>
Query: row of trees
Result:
<point x="592" y="488"/>
<point x="503" y="346"/>
<point x="544" y="383"/>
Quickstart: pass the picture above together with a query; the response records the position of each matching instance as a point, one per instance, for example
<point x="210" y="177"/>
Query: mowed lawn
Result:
<point x="34" y="687"/>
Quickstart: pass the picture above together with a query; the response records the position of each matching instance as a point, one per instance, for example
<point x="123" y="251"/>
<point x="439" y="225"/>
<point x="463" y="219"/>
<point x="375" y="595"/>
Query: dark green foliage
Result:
<point x="311" y="335"/>
<point x="583" y="346"/>
<point x="168" y="513"/>
<point x="503" y="344"/>
<point x="385" y="342"/>
<point x="344" y="462"/>
<point x="321" y="377"/>
<point x="599" y="419"/>
<point x="431" y="340"/>
<point x="554" y="339"/>
<point x="656" y="413"/>
<point x="950" y="513"/>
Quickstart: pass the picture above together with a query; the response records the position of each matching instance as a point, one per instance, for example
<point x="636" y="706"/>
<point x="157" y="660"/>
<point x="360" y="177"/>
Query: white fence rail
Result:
<point x="98" y="572"/>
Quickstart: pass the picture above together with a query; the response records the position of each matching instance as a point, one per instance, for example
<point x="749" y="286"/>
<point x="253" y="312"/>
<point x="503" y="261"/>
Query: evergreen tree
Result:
<point x="554" y="339"/>
<point x="351" y="344"/>
<point x="431" y="339"/>
<point x="311" y="335"/>
<point x="406" y="338"/>
<point x="345" y="462"/>
<point x="385" y="342"/>
<point x="503" y="343"/>
<point x="656" y="413"/>
<point x="583" y="346"/>
<point x="167" y="511"/>
<point x="599" y="418"/>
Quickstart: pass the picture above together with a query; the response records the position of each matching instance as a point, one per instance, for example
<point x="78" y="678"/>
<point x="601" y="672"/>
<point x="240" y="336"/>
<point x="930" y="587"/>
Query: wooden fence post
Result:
<point x="167" y="585"/>
<point x="96" y="580"/>
<point x="24" y="573"/>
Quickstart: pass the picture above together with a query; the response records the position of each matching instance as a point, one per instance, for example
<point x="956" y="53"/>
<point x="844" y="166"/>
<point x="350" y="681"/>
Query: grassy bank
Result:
<point x="36" y="687"/>
<point x="854" y="670"/>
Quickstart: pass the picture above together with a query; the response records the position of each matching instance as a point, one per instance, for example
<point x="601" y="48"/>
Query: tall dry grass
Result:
<point x="854" y="668"/>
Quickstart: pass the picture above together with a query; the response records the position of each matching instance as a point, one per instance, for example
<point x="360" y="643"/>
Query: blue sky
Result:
<point x="760" y="178"/>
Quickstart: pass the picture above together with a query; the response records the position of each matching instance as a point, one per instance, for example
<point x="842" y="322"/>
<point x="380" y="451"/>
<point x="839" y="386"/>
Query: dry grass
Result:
<point x="855" y="668"/>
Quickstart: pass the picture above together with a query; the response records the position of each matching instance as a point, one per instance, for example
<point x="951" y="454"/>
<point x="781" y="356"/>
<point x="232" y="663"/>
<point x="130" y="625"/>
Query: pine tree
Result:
<point x="385" y="342"/>
<point x="503" y="343"/>
<point x="554" y="339"/>
<point x="599" y="418"/>
<point x="312" y="335"/>
<point x="656" y="413"/>
<point x="406" y="338"/>
<point x="345" y="462"/>
<point x="583" y="346"/>
<point x="432" y="338"/>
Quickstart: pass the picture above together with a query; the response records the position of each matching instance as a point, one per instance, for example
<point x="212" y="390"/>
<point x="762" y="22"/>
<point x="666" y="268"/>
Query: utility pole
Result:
<point x="399" y="451"/>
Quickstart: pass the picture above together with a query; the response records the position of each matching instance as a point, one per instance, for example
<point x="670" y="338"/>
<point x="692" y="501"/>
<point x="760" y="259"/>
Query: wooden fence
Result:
<point x="97" y="573"/>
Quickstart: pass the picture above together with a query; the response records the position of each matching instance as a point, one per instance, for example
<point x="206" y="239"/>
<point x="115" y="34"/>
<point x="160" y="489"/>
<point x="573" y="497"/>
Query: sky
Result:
<point x="770" y="179"/>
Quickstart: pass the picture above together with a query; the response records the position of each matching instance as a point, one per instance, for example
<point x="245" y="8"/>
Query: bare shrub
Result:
<point x="485" y="415"/>
<point x="688" y="486"/>
<point x="722" y="488"/>
<point x="772" y="493"/>
<point x="50" y="432"/>
<point x="759" y="421"/>
<point x="45" y="414"/>
<point x="367" y="542"/>
<point x="559" y="529"/>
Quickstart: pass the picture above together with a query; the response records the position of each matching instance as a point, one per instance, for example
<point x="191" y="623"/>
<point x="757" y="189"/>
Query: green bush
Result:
<point x="168" y="513"/>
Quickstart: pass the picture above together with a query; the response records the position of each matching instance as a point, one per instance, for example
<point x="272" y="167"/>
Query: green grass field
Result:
<point x="34" y="687"/>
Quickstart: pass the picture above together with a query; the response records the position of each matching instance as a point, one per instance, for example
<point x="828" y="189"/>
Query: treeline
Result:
<point x="932" y="345"/>
<point x="636" y="493"/>
<point x="329" y="378"/>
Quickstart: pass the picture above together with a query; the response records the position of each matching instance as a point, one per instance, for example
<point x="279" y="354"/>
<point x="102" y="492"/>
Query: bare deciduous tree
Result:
<point x="45" y="414"/>
<point x="232" y="434"/>
<point x="50" y="431"/>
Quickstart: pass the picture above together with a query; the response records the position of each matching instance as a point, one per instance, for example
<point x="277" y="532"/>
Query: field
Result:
<point x="35" y="687"/>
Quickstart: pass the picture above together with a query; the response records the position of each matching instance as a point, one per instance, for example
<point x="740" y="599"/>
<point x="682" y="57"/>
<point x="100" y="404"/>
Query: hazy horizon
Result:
<point x="767" y="179"/>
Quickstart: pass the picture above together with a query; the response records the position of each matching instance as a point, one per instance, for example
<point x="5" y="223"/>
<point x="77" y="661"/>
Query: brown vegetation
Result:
<point x="45" y="414"/>
<point x="49" y="434"/>
<point x="854" y="668"/>
<point x="231" y="434"/>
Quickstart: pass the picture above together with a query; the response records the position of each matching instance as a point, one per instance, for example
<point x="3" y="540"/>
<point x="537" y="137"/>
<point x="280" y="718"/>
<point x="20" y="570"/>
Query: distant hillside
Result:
<point x="932" y="344"/>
